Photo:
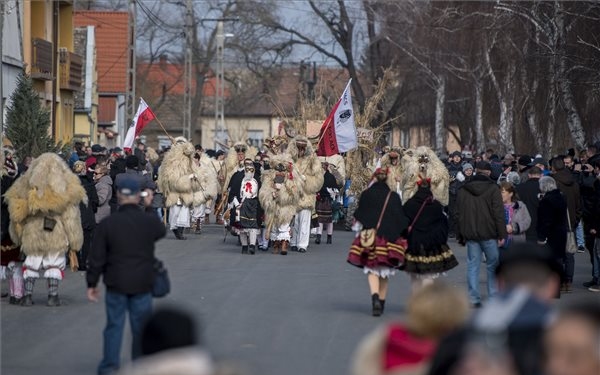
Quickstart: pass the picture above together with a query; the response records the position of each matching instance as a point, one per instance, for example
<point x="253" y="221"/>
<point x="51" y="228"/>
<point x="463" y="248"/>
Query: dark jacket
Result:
<point x="88" y="217"/>
<point x="123" y="251"/>
<point x="328" y="182"/>
<point x="570" y="188"/>
<point x="431" y="227"/>
<point x="529" y="193"/>
<point x="393" y="222"/>
<point x="552" y="222"/>
<point x="480" y="211"/>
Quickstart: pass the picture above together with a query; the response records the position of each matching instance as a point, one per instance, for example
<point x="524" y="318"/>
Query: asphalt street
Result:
<point x="301" y="314"/>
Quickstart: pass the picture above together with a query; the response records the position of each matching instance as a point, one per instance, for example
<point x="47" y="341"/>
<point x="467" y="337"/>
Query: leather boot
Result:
<point x="53" y="301"/>
<point x="180" y="232"/>
<point x="318" y="239"/>
<point x="252" y="249"/>
<point x="329" y="239"/>
<point x="376" y="303"/>
<point x="382" y="301"/>
<point x="276" y="247"/>
<point x="284" y="247"/>
<point x="27" y="300"/>
<point x="206" y="219"/>
<point x="198" y="226"/>
<point x="244" y="249"/>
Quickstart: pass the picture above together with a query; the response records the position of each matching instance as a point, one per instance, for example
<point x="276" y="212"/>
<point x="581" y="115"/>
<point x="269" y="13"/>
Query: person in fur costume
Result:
<point x="248" y="210"/>
<point x="179" y="180"/>
<point x="209" y="188"/>
<point x="392" y="162"/>
<point x="45" y="221"/>
<point x="423" y="163"/>
<point x="310" y="173"/>
<point x="408" y="347"/>
<point x="279" y="196"/>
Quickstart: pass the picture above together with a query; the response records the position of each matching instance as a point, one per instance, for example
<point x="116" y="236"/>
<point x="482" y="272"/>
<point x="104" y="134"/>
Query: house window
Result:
<point x="163" y="142"/>
<point x="255" y="138"/>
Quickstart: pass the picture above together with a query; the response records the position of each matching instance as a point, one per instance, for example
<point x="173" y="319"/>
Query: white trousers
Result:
<point x="179" y="216"/>
<point x="53" y="266"/>
<point x="199" y="212"/>
<point x="281" y="233"/>
<point x="248" y="236"/>
<point x="301" y="229"/>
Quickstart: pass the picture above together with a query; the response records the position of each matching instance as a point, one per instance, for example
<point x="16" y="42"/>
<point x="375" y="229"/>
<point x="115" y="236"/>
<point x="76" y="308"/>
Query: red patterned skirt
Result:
<point x="382" y="254"/>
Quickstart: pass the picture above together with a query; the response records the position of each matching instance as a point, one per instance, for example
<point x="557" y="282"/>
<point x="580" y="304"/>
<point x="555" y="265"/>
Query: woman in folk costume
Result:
<point x="209" y="188"/>
<point x="324" y="205"/>
<point x="11" y="264"/>
<point x="248" y="211"/>
<point x="279" y="195"/>
<point x="379" y="248"/>
<point x="45" y="221"/>
<point x="428" y="255"/>
<point x="310" y="174"/>
<point x="178" y="181"/>
<point x="392" y="162"/>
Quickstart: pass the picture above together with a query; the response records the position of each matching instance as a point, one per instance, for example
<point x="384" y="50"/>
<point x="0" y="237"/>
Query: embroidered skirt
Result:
<point x="434" y="260"/>
<point x="382" y="254"/>
<point x="324" y="210"/>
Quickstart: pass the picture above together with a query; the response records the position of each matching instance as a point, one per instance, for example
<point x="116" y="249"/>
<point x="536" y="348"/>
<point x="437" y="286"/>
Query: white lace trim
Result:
<point x="383" y="272"/>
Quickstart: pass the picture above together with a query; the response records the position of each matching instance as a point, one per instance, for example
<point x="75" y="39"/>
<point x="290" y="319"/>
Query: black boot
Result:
<point x="329" y="239"/>
<point x="53" y="300"/>
<point x="252" y="249"/>
<point x="382" y="301"/>
<point x="318" y="240"/>
<point x="26" y="300"/>
<point x="377" y="309"/>
<point x="244" y="249"/>
<point x="180" y="231"/>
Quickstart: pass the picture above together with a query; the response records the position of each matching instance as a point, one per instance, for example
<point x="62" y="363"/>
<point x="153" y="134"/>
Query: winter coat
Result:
<point x="552" y="222"/>
<point x="104" y="191"/>
<point x="370" y="204"/>
<point x="431" y="228"/>
<point x="521" y="221"/>
<point x="123" y="251"/>
<point x="480" y="211"/>
<point x="570" y="188"/>
<point x="88" y="211"/>
<point x="328" y="182"/>
<point x="48" y="192"/>
<point x="529" y="193"/>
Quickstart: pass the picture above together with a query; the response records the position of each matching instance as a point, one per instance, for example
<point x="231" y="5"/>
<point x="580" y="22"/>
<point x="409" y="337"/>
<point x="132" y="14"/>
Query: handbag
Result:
<point x="162" y="284"/>
<point x="367" y="236"/>
<point x="571" y="243"/>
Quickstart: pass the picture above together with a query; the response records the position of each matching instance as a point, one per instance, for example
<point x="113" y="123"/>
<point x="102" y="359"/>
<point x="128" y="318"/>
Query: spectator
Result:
<point x="132" y="164"/>
<point x="407" y="348"/>
<point x="481" y="226"/>
<point x="541" y="164"/>
<point x="87" y="212"/>
<point x="104" y="191"/>
<point x="529" y="193"/>
<point x="523" y="167"/>
<point x="572" y="343"/>
<point x="123" y="253"/>
<point x="552" y="228"/>
<point x="455" y="170"/>
<point x="568" y="186"/>
<point x="516" y="215"/>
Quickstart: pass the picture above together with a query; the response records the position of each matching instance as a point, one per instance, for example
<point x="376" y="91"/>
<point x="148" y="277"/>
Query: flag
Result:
<point x="142" y="117"/>
<point x="338" y="132"/>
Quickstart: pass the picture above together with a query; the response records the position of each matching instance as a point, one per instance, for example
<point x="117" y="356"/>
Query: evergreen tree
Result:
<point x="27" y="121"/>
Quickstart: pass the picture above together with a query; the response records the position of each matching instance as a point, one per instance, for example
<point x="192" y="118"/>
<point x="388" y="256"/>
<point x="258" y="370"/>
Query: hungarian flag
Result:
<point x="142" y="117"/>
<point x="338" y="132"/>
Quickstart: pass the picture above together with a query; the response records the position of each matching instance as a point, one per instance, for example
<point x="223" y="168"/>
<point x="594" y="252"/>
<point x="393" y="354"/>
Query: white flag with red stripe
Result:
<point x="338" y="132"/>
<point x="142" y="117"/>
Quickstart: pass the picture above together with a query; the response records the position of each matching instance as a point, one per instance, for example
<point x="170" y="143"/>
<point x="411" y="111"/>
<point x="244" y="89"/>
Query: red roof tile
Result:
<point x="111" y="47"/>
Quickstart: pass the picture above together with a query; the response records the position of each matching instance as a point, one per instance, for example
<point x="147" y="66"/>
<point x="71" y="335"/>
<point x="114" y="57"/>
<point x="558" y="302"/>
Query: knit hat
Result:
<point x="132" y="162"/>
<point x="466" y="166"/>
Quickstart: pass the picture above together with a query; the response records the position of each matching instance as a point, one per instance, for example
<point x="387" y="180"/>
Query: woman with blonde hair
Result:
<point x="407" y="348"/>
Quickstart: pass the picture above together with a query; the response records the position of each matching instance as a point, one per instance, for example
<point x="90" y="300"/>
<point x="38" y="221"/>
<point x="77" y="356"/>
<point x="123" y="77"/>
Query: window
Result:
<point x="163" y="142"/>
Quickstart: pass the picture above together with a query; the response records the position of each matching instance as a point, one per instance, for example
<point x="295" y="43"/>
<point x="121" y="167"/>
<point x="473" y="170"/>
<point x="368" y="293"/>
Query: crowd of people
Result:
<point x="524" y="216"/>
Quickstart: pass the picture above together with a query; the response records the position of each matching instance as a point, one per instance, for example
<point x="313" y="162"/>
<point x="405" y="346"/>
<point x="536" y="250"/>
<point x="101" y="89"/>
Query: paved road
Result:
<point x="300" y="314"/>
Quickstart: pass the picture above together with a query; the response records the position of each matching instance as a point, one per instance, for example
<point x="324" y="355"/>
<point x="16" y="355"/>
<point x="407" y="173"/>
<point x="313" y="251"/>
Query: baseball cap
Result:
<point x="129" y="186"/>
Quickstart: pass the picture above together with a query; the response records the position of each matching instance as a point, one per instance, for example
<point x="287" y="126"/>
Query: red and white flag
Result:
<point x="338" y="132"/>
<point x="142" y="117"/>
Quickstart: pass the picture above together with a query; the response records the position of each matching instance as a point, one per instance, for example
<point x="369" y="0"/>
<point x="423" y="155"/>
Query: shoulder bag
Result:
<point x="367" y="236"/>
<point x="571" y="242"/>
<point x="162" y="284"/>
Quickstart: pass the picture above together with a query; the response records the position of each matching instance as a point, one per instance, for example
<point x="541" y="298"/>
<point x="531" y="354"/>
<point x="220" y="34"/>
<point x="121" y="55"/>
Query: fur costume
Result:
<point x="309" y="171"/>
<point x="206" y="180"/>
<point x="178" y="178"/>
<point x="279" y="199"/>
<point x="47" y="190"/>
<point x="152" y="155"/>
<point x="422" y="163"/>
<point x="395" y="172"/>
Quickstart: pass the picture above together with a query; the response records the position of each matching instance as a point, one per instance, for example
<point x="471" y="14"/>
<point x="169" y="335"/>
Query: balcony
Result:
<point x="71" y="70"/>
<point x="41" y="65"/>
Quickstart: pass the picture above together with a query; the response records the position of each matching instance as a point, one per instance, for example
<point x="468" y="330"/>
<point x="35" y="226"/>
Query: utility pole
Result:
<point x="131" y="62"/>
<point x="219" y="87"/>
<point x="187" y="94"/>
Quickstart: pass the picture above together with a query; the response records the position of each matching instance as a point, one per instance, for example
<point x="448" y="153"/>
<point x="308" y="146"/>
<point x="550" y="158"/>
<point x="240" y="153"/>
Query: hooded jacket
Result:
<point x="480" y="213"/>
<point x="570" y="188"/>
<point x="552" y="221"/>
